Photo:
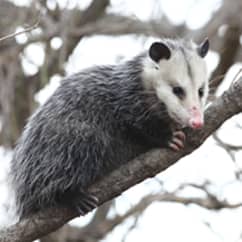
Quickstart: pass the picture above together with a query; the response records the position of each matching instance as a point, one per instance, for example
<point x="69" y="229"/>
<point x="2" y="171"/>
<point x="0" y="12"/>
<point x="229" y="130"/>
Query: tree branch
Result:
<point x="144" y="166"/>
<point x="93" y="231"/>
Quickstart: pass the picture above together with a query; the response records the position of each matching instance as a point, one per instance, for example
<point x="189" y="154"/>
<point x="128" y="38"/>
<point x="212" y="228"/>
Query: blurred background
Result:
<point x="199" y="198"/>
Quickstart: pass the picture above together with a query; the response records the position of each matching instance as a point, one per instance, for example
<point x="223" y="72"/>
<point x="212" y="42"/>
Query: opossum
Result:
<point x="103" y="117"/>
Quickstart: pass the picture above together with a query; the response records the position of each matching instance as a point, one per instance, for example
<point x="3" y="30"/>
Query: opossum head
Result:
<point x="176" y="71"/>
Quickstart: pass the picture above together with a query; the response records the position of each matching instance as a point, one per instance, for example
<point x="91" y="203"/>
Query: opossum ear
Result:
<point x="203" y="48"/>
<point x="159" y="51"/>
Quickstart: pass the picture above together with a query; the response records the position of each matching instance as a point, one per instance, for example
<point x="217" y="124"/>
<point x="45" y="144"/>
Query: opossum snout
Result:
<point x="196" y="121"/>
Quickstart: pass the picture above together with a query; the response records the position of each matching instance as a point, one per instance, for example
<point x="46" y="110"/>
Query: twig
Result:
<point x="236" y="77"/>
<point x="32" y="27"/>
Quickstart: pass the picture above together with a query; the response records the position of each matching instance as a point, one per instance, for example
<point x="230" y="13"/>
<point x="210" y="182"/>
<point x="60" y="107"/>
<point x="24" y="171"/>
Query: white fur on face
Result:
<point x="187" y="71"/>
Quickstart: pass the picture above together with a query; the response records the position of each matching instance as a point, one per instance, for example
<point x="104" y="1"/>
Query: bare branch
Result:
<point x="28" y="29"/>
<point x="94" y="11"/>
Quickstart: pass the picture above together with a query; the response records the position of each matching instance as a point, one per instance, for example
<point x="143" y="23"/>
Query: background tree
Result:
<point x="70" y="26"/>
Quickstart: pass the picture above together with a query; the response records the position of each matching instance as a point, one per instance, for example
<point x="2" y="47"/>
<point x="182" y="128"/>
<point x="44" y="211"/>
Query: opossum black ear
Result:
<point x="203" y="48"/>
<point x="159" y="51"/>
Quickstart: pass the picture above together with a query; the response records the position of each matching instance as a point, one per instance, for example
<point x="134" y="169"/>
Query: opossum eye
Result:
<point x="201" y="92"/>
<point x="178" y="91"/>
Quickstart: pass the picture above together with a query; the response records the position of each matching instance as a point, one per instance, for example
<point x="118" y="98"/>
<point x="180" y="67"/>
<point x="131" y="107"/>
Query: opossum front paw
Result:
<point x="86" y="204"/>
<point x="177" y="141"/>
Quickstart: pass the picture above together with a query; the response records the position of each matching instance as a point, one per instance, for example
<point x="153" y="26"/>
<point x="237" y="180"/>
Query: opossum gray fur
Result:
<point x="103" y="117"/>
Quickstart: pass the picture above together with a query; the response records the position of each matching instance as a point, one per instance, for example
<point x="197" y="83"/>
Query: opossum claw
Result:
<point x="177" y="141"/>
<point x="86" y="203"/>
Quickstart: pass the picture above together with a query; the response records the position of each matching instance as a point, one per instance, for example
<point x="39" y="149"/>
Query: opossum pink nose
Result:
<point x="196" y="123"/>
<point x="196" y="120"/>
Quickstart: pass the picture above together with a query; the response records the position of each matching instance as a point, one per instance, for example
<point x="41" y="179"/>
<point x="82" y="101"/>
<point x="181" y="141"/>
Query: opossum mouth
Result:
<point x="179" y="125"/>
<point x="178" y="122"/>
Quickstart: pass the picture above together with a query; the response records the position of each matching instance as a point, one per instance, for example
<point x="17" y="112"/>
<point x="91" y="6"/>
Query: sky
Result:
<point x="161" y="221"/>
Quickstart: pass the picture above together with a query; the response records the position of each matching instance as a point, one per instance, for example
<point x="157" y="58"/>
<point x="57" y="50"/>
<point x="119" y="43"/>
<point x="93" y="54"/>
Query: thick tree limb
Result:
<point x="145" y="166"/>
<point x="96" y="230"/>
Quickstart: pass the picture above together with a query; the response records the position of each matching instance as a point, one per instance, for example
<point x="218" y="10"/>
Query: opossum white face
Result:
<point x="177" y="73"/>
